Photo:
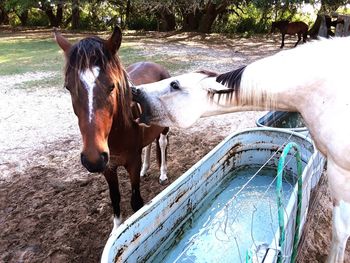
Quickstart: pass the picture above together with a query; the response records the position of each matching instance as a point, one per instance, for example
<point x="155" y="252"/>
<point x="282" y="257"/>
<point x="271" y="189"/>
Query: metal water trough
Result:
<point x="151" y="231"/>
<point x="276" y="119"/>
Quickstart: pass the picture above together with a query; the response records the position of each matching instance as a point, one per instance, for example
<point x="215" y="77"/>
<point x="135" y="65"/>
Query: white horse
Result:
<point x="313" y="79"/>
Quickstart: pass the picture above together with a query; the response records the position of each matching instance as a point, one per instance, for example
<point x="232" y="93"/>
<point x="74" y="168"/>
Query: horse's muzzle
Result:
<point x="139" y="96"/>
<point x="97" y="166"/>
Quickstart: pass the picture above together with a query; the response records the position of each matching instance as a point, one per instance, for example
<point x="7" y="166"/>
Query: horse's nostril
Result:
<point x="83" y="159"/>
<point x="95" y="166"/>
<point x="104" y="157"/>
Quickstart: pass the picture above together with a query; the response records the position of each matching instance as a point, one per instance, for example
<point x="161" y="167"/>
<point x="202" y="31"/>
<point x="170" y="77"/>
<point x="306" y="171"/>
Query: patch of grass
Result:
<point x="130" y="55"/>
<point x="20" y="55"/>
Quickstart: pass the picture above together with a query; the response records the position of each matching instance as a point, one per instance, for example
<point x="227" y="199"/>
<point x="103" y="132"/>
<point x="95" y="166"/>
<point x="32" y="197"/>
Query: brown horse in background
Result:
<point x="102" y="100"/>
<point x="291" y="28"/>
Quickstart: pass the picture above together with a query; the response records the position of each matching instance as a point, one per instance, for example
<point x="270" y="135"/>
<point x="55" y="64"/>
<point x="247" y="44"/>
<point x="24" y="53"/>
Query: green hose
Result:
<point x="249" y="256"/>
<point x="280" y="170"/>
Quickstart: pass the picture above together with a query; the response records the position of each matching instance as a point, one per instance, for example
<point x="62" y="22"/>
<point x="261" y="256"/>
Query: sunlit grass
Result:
<point x="19" y="55"/>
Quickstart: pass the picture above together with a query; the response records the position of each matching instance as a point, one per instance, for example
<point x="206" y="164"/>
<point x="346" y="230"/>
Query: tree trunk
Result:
<point x="326" y="8"/>
<point x="127" y="12"/>
<point x="190" y="21"/>
<point x="4" y="18"/>
<point x="23" y="17"/>
<point x="208" y="18"/>
<point x="313" y="32"/>
<point x="59" y="13"/>
<point x="75" y="14"/>
<point x="167" y="20"/>
<point x="52" y="18"/>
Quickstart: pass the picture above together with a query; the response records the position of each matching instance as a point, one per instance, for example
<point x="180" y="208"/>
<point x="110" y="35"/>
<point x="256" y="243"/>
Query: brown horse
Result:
<point x="102" y="100"/>
<point x="291" y="28"/>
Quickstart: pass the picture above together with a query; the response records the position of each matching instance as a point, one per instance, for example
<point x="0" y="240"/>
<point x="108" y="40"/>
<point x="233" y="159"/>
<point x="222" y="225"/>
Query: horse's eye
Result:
<point x="175" y="85"/>
<point x="111" y="87"/>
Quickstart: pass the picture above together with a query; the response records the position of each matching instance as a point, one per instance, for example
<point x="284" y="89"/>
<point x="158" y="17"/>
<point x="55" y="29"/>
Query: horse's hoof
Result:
<point x="163" y="182"/>
<point x="143" y="175"/>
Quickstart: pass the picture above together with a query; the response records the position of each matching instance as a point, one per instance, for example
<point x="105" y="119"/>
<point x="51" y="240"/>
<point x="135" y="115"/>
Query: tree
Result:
<point x="195" y="15"/>
<point x="52" y="8"/>
<point x="75" y="14"/>
<point x="326" y="9"/>
<point x="4" y="18"/>
<point x="200" y="15"/>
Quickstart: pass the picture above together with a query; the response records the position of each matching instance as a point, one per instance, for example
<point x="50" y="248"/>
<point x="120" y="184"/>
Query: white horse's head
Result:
<point x="180" y="101"/>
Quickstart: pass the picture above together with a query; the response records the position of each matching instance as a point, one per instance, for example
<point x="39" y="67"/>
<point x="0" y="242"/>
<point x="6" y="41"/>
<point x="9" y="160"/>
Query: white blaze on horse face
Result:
<point x="88" y="77"/>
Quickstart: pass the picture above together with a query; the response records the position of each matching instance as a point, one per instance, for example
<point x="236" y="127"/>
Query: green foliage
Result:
<point x="143" y="23"/>
<point x="248" y="21"/>
<point x="37" y="18"/>
<point x="14" y="20"/>
<point x="98" y="15"/>
<point x="234" y="16"/>
<point x="20" y="5"/>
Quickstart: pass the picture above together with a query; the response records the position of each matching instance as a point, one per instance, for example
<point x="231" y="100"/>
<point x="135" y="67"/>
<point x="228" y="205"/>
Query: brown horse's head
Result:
<point x="97" y="84"/>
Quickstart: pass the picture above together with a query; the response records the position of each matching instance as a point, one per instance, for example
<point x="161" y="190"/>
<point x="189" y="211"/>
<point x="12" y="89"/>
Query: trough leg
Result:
<point x="339" y="182"/>
<point x="146" y="160"/>
<point x="112" y="180"/>
<point x="134" y="168"/>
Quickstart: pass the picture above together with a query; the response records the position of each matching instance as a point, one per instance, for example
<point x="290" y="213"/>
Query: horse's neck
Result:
<point x="292" y="79"/>
<point x="254" y="94"/>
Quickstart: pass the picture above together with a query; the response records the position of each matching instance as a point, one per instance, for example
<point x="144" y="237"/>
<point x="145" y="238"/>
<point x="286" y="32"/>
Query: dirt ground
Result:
<point x="52" y="210"/>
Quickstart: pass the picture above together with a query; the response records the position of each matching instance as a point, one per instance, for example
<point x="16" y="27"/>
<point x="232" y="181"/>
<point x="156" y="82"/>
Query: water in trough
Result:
<point x="292" y="120"/>
<point x="224" y="228"/>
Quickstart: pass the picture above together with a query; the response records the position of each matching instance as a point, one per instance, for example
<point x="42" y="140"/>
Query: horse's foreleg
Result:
<point x="304" y="37"/>
<point x="134" y="167"/>
<point x="146" y="160"/>
<point x="163" y="142"/>
<point x="282" y="45"/>
<point x="299" y="38"/>
<point x="112" y="180"/>
<point x="339" y="182"/>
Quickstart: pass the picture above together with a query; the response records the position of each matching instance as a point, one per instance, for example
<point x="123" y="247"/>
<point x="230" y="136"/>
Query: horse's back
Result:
<point x="146" y="72"/>
<point x="297" y="27"/>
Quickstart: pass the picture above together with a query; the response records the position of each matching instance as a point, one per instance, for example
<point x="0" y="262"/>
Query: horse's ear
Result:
<point x="61" y="41"/>
<point x="113" y="43"/>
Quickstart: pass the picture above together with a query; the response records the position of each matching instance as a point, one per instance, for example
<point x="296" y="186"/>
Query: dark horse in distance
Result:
<point x="291" y="28"/>
<point x="102" y="100"/>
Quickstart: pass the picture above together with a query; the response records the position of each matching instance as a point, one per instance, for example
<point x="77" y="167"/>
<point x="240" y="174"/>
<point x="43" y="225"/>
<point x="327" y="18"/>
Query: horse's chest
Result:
<point x="330" y="131"/>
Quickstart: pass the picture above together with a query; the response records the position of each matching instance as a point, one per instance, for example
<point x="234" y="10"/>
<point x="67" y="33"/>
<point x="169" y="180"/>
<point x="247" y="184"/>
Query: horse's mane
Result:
<point x="230" y="79"/>
<point x="90" y="52"/>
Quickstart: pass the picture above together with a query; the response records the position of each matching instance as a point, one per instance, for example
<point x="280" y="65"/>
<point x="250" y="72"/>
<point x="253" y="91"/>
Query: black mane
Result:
<point x="231" y="80"/>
